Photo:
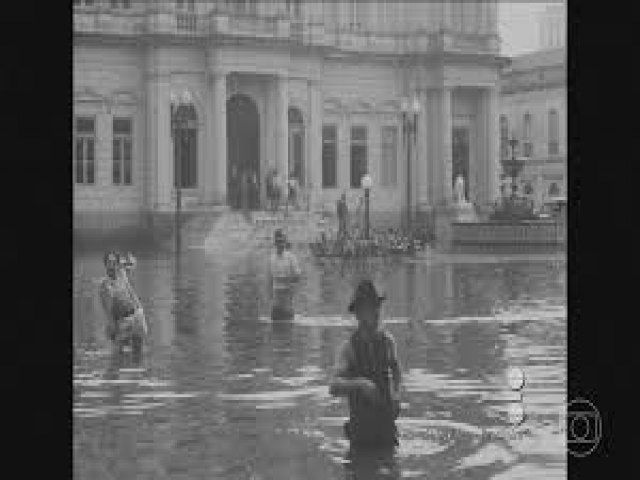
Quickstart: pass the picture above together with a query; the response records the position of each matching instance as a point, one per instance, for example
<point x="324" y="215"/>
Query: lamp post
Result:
<point x="179" y="121"/>
<point x="366" y="183"/>
<point x="409" y="113"/>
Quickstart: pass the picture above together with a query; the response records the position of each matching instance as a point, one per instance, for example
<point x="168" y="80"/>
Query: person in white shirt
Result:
<point x="284" y="273"/>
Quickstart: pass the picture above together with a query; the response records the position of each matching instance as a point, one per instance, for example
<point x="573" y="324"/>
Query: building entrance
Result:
<point x="243" y="153"/>
<point x="460" y="157"/>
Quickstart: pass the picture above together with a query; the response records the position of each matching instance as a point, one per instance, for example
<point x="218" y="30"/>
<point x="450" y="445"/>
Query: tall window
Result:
<point x="296" y="145"/>
<point x="186" y="147"/>
<point x="329" y="156"/>
<point x="553" y="132"/>
<point x="122" y="151"/>
<point x="358" y="155"/>
<point x="504" y="137"/>
<point x="389" y="157"/>
<point x="84" y="150"/>
<point x="527" y="143"/>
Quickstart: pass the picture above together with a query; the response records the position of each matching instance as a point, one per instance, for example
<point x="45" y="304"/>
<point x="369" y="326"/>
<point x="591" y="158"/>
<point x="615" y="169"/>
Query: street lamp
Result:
<point x="179" y="121"/>
<point x="367" y="183"/>
<point x="409" y="111"/>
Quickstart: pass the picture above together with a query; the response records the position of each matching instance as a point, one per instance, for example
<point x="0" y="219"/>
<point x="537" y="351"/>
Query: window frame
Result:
<point x="119" y="141"/>
<point x="355" y="183"/>
<point x="85" y="140"/>
<point x="333" y="167"/>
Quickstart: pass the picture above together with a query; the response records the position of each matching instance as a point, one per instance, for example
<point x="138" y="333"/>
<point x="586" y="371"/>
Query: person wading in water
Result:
<point x="369" y="375"/>
<point x="125" y="317"/>
<point x="284" y="272"/>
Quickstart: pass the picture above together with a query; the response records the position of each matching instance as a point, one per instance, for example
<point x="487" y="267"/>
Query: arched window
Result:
<point x="185" y="145"/>
<point x="504" y="136"/>
<point x="554" y="190"/>
<point x="553" y="132"/>
<point x="526" y="134"/>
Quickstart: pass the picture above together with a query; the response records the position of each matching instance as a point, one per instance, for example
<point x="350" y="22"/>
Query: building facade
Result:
<point x="533" y="110"/>
<point x="214" y="95"/>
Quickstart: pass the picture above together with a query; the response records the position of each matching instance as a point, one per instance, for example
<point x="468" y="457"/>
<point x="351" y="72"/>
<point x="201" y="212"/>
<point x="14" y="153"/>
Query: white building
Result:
<point x="313" y="88"/>
<point x="533" y="108"/>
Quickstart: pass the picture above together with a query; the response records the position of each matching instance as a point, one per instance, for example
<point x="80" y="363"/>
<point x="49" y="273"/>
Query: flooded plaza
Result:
<point x="223" y="393"/>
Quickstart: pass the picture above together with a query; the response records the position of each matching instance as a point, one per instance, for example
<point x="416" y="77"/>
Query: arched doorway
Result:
<point x="296" y="146"/>
<point x="185" y="146"/>
<point x="460" y="157"/>
<point x="243" y="153"/>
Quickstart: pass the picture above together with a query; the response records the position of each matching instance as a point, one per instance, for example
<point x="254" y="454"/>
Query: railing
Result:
<point x="164" y="19"/>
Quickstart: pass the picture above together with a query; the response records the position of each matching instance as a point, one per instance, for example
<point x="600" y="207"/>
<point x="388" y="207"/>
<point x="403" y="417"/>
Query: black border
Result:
<point x="36" y="86"/>
<point x="600" y="153"/>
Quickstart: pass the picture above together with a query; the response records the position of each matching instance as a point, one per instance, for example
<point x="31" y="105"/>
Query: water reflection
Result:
<point x="223" y="392"/>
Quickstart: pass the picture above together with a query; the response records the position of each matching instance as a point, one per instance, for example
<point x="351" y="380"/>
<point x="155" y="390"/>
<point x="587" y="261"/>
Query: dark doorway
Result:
<point x="296" y="146"/>
<point x="460" y="157"/>
<point x="243" y="153"/>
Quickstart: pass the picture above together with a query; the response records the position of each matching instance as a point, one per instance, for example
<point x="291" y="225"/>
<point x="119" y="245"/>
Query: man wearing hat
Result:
<point x="284" y="271"/>
<point x="368" y="374"/>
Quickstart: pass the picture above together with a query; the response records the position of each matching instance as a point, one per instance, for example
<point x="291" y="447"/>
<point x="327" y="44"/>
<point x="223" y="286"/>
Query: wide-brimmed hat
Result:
<point x="365" y="292"/>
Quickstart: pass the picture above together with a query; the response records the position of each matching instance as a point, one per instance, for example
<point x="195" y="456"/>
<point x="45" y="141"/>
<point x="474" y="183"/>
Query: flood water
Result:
<point x="222" y="393"/>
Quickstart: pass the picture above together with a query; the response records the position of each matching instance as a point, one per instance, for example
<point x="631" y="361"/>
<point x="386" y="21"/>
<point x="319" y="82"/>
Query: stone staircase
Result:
<point x="233" y="230"/>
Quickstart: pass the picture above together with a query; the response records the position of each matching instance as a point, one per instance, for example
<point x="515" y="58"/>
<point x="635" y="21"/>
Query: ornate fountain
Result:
<point x="512" y="221"/>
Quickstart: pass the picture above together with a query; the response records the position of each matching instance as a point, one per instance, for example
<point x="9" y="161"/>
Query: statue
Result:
<point x="458" y="191"/>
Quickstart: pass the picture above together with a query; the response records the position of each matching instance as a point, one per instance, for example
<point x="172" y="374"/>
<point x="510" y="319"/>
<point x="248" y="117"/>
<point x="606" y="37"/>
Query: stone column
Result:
<point x="314" y="138"/>
<point x="282" y="128"/>
<point x="160" y="144"/>
<point x="209" y="173"/>
<point x="492" y="141"/>
<point x="446" y="181"/>
<point x="219" y="137"/>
